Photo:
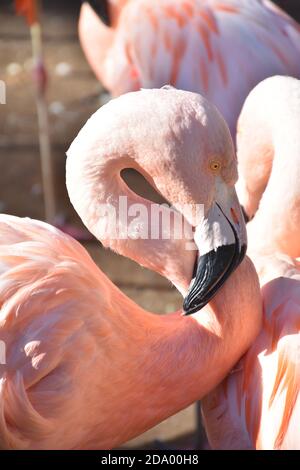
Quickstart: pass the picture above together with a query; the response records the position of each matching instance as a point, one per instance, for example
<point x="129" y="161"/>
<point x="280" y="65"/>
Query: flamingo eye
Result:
<point x="215" y="166"/>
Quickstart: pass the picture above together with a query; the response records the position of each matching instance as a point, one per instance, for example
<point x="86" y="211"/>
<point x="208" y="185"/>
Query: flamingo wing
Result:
<point x="51" y="298"/>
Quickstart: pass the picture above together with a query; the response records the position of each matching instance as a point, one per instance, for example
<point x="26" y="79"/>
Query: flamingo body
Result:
<point x="220" y="49"/>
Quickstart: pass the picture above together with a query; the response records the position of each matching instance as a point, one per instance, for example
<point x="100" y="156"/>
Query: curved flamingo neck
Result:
<point x="118" y="217"/>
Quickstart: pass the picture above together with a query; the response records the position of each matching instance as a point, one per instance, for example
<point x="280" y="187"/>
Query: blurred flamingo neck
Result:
<point x="96" y="39"/>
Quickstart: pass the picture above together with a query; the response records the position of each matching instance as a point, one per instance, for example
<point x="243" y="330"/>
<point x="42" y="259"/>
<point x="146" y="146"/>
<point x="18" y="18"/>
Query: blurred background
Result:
<point x="73" y="94"/>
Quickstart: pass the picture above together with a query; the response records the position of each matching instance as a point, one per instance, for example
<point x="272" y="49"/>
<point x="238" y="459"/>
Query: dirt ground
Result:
<point x="73" y="95"/>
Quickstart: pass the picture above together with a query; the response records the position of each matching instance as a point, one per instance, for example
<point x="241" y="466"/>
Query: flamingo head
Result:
<point x="181" y="144"/>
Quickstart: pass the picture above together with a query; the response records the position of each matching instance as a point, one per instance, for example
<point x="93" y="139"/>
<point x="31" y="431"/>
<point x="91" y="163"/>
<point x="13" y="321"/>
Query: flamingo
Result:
<point x="269" y="165"/>
<point x="86" y="367"/>
<point x="218" y="48"/>
<point x="258" y="404"/>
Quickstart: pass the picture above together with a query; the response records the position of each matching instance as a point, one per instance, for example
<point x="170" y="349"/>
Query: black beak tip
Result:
<point x="189" y="309"/>
<point x="213" y="269"/>
<point x="186" y="312"/>
<point x="190" y="312"/>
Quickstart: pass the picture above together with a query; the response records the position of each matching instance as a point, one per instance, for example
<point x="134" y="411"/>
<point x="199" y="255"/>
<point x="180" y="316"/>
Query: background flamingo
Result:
<point x="86" y="366"/>
<point x="269" y="165"/>
<point x="258" y="404"/>
<point x="219" y="48"/>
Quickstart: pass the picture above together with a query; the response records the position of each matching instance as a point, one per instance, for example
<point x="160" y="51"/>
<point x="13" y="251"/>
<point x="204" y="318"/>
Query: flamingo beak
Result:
<point x="101" y="7"/>
<point x="222" y="242"/>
